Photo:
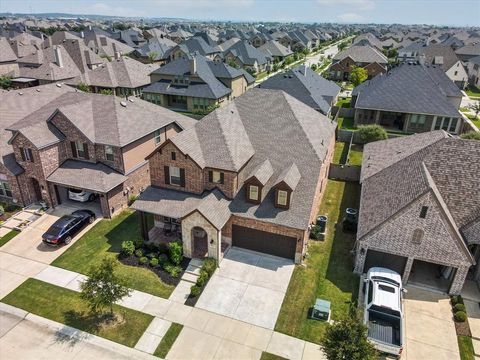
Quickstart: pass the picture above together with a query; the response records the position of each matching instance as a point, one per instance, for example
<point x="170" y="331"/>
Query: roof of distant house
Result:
<point x="274" y="48"/>
<point x="362" y="54"/>
<point x="248" y="54"/>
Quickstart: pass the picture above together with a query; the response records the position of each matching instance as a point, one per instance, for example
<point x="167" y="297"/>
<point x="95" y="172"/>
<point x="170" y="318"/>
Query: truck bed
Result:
<point x="384" y="328"/>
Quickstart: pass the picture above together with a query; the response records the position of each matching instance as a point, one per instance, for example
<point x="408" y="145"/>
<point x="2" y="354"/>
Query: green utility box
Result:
<point x="321" y="310"/>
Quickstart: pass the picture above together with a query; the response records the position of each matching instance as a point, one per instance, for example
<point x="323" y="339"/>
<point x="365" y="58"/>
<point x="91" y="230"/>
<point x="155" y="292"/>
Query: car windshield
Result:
<point x="55" y="230"/>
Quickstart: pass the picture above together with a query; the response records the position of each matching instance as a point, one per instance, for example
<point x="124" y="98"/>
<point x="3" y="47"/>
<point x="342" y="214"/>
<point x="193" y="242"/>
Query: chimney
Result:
<point x="90" y="27"/>
<point x="58" y="56"/>
<point x="421" y="59"/>
<point x="193" y="65"/>
<point x="82" y="35"/>
<point x="117" y="55"/>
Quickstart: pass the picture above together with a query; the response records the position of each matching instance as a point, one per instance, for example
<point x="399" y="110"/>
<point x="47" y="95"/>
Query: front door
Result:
<point x="36" y="189"/>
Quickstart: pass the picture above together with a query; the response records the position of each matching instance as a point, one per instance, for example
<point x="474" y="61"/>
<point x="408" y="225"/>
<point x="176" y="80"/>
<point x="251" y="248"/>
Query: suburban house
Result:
<point x="195" y="83"/>
<point x="59" y="138"/>
<point x="467" y="52"/>
<point x="250" y="174"/>
<point x="275" y="50"/>
<point x="420" y="211"/>
<point x="179" y="35"/>
<point x="367" y="57"/>
<point x="246" y="56"/>
<point x="410" y="98"/>
<point x="305" y="85"/>
<point x="156" y="50"/>
<point x="193" y="45"/>
<point x="123" y="76"/>
<point x="473" y="70"/>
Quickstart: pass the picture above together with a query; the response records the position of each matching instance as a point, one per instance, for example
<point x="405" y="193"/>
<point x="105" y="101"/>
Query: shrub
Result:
<point x="128" y="248"/>
<point x="173" y="270"/>
<point x="131" y="199"/>
<point x="203" y="278"/>
<point x="151" y="246"/>
<point x="139" y="253"/>
<point x="369" y="133"/>
<point x="162" y="259"/>
<point x="459" y="307"/>
<point x="143" y="260"/>
<point x="456" y="299"/>
<point x="315" y="232"/>
<point x="209" y="266"/>
<point x="175" y="250"/>
<point x="471" y="135"/>
<point x="162" y="248"/>
<point x="460" y="316"/>
<point x="195" y="291"/>
<point x="154" y="262"/>
<point x="138" y="243"/>
<point x="151" y="255"/>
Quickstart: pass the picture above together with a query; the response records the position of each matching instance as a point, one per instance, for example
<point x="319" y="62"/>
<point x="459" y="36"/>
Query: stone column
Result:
<point x="458" y="281"/>
<point x="406" y="271"/>
<point x="186" y="239"/>
<point x="219" y="247"/>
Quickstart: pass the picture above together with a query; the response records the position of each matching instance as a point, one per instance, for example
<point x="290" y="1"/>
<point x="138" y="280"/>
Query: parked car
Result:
<point x="383" y="313"/>
<point x="80" y="195"/>
<point x="65" y="228"/>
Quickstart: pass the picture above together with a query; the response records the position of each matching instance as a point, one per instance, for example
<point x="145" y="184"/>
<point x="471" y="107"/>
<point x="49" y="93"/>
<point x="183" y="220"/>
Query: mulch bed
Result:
<point x="191" y="301"/>
<point x="463" y="328"/>
<point x="162" y="274"/>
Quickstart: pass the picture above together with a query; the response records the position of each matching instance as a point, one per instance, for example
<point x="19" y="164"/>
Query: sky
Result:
<point x="437" y="12"/>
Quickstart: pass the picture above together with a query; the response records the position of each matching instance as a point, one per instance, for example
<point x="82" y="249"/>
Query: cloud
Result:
<point x="350" y="17"/>
<point x="357" y="4"/>
<point x="104" y="9"/>
<point x="205" y="4"/>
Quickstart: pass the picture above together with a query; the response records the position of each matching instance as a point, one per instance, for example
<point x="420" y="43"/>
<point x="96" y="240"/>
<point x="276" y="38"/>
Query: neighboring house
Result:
<point x="410" y="98"/>
<point x="367" y="57"/>
<point x="369" y="40"/>
<point x="250" y="174"/>
<point x="8" y="59"/>
<point x="156" y="49"/>
<point x="105" y="46"/>
<point x="420" y="210"/>
<point x="227" y="44"/>
<point x="473" y="69"/>
<point x="307" y="86"/>
<point x="194" y="44"/>
<point x="246" y="56"/>
<point x="467" y="52"/>
<point x="179" y="36"/>
<point x="195" y="83"/>
<point x="61" y="139"/>
<point x="124" y="76"/>
<point x="275" y="50"/>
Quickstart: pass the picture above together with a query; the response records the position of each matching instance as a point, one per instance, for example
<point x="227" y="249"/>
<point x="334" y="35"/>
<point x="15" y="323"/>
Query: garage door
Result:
<point x="381" y="259"/>
<point x="265" y="242"/>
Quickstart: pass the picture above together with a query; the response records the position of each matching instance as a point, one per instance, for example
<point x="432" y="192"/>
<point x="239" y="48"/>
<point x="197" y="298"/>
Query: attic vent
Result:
<point x="59" y="85"/>
<point x="231" y="111"/>
<point x="38" y="90"/>
<point x="20" y="93"/>
<point x="131" y="100"/>
<point x="123" y="103"/>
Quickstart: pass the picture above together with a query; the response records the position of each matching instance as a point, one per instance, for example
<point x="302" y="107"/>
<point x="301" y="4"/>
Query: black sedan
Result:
<point x="65" y="228"/>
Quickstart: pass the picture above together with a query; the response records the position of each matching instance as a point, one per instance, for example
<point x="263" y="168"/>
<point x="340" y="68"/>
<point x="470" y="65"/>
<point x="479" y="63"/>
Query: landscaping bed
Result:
<point x="208" y="268"/>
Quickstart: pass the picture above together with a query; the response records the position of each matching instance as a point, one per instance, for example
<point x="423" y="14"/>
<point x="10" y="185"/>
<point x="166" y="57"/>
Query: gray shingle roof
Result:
<point x="410" y="89"/>
<point x="159" y="46"/>
<point x="248" y="54"/>
<point x="290" y="176"/>
<point x="262" y="172"/>
<point x="434" y="53"/>
<point x="274" y="48"/>
<point x="362" y="54"/>
<point x="86" y="175"/>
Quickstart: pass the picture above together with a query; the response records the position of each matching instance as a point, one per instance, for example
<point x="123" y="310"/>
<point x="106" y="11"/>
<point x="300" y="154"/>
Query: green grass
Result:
<point x="168" y="339"/>
<point x="328" y="272"/>
<point x="341" y="153"/>
<point x="465" y="346"/>
<point x="346" y="123"/>
<point x="472" y="91"/>
<point x="9" y="236"/>
<point x="261" y="75"/>
<point x="65" y="306"/>
<point x="345" y="103"/>
<point x="475" y="120"/>
<point x="105" y="240"/>
<point x="270" y="356"/>
<point x="464" y="109"/>
<point x="356" y="155"/>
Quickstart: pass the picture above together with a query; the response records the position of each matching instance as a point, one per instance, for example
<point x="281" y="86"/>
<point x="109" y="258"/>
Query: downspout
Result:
<point x="219" y="246"/>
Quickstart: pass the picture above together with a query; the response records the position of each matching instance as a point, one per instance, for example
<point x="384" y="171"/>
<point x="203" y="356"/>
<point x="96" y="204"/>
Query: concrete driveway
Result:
<point x="429" y="327"/>
<point x="249" y="286"/>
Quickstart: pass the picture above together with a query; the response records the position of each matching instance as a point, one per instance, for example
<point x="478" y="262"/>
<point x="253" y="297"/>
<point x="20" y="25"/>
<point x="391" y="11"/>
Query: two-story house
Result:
<point x="249" y="174"/>
<point x="92" y="142"/>
<point x="410" y="98"/>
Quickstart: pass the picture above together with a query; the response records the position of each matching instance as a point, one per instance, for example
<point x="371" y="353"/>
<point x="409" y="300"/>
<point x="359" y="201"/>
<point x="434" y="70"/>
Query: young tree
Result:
<point x="106" y="92"/>
<point x="342" y="45"/>
<point x="103" y="287"/>
<point x="347" y="339"/>
<point x="358" y="75"/>
<point x="83" y="87"/>
<point x="152" y="55"/>
<point x="5" y="82"/>
<point x="475" y="108"/>
<point x="369" y="133"/>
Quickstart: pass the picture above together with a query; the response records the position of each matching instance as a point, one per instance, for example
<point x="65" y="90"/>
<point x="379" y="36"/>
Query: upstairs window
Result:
<point x="5" y="189"/>
<point x="174" y="176"/>
<point x="79" y="149"/>
<point x="215" y="177"/>
<point x="109" y="153"/>
<point x="253" y="192"/>
<point x="423" y="212"/>
<point x="158" y="137"/>
<point x="174" y="155"/>
<point x="26" y="154"/>
<point x="282" y="197"/>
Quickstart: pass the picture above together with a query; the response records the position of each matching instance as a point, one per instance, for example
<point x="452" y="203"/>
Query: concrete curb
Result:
<point x="13" y="310"/>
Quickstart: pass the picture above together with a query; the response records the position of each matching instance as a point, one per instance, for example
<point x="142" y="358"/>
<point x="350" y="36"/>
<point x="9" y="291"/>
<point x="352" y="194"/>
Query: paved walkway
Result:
<point x="473" y="312"/>
<point x="189" y="278"/>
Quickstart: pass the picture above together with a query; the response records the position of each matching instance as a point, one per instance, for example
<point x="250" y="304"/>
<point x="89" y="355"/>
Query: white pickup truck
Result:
<point x="383" y="310"/>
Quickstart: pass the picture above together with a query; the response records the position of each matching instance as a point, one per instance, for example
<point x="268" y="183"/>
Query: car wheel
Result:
<point x="91" y="197"/>
<point x="68" y="240"/>
<point x="91" y="219"/>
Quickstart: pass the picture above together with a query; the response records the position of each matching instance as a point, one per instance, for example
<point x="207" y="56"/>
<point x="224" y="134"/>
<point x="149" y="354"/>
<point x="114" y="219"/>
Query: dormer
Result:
<point x="284" y="186"/>
<point x="256" y="181"/>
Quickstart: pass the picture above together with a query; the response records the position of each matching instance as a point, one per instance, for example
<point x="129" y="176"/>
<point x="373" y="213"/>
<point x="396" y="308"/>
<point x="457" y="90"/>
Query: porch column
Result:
<point x="143" y="225"/>
<point x="458" y="281"/>
<point x="219" y="247"/>
<point x="377" y="117"/>
<point x="406" y="271"/>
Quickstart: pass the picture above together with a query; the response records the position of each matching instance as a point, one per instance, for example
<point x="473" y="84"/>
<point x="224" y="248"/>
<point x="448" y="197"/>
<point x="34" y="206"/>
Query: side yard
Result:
<point x="327" y="273"/>
<point x="342" y="156"/>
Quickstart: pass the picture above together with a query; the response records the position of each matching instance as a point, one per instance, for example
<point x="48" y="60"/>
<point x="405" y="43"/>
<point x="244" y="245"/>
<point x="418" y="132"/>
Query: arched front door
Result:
<point x="199" y="242"/>
<point x="36" y="189"/>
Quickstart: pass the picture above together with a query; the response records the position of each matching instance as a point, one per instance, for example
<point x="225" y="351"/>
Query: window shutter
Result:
<point x="166" y="170"/>
<point x="74" y="149"/>
<point x="85" y="150"/>
<point x="30" y="155"/>
<point x="221" y="178"/>
<point x="210" y="176"/>
<point x="182" y="177"/>
<point x="22" y="154"/>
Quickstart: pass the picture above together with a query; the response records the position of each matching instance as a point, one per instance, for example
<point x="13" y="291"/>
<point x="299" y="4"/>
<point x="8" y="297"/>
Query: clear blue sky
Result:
<point x="440" y="12"/>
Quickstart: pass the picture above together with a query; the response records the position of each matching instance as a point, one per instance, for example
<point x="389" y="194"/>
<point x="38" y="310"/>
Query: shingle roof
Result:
<point x="197" y="44"/>
<point x="469" y="50"/>
<point x="248" y="54"/>
<point x="274" y="48"/>
<point x="290" y="176"/>
<point x="262" y="172"/>
<point x="6" y="52"/>
<point x="434" y="53"/>
<point x="86" y="175"/>
<point x="160" y="47"/>
<point x="410" y="89"/>
<point x="305" y="85"/>
<point x="362" y="54"/>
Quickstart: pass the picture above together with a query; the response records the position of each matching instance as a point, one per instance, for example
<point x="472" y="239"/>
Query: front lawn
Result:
<point x="105" y="239"/>
<point x="65" y="306"/>
<point x="270" y="356"/>
<point x="465" y="346"/>
<point x="9" y="236"/>
<point x="168" y="339"/>
<point x="328" y="272"/>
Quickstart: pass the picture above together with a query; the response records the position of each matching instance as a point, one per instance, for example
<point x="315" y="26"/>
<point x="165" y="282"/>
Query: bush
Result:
<point x="162" y="259"/>
<point x="131" y="199"/>
<point x="173" y="270"/>
<point x="471" y="135"/>
<point x="143" y="260"/>
<point x="315" y="232"/>
<point x="456" y="299"/>
<point x="460" y="316"/>
<point x="195" y="291"/>
<point x="139" y="253"/>
<point x="162" y="248"/>
<point x="151" y="246"/>
<point x="154" y="262"/>
<point x="203" y="278"/>
<point x="369" y="133"/>
<point x="138" y="243"/>
<point x="128" y="248"/>
<point x="459" y="307"/>
<point x="175" y="250"/>
<point x="152" y="255"/>
<point x="209" y="266"/>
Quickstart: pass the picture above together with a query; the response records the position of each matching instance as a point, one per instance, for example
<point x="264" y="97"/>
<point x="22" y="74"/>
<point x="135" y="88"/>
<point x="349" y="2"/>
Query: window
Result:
<point x="282" y="197"/>
<point x="79" y="149"/>
<point x="109" y="153"/>
<point x="417" y="236"/>
<point x="215" y="177"/>
<point x="174" y="155"/>
<point x="423" y="212"/>
<point x="453" y="125"/>
<point x="175" y="178"/>
<point x="158" y="137"/>
<point x="5" y="189"/>
<point x="445" y="123"/>
<point x="253" y="192"/>
<point x="456" y="72"/>
<point x="26" y="154"/>
<point x="438" y="123"/>
<point x="417" y="120"/>
<point x="200" y="103"/>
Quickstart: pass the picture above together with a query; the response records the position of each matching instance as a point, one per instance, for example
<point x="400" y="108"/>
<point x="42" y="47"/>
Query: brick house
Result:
<point x="66" y="139"/>
<point x="420" y="210"/>
<point x="250" y="174"/>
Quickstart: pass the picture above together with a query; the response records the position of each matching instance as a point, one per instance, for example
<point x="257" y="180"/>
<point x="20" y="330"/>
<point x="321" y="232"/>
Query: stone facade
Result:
<point x="197" y="220"/>
<point x="438" y="245"/>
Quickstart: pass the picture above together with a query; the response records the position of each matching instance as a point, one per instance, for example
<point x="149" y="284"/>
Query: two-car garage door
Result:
<point x="265" y="242"/>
